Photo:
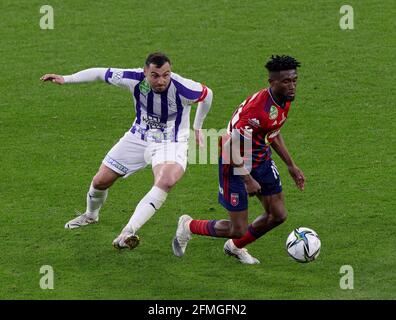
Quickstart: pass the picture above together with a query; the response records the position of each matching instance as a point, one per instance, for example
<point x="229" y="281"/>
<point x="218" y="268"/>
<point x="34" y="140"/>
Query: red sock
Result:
<point x="250" y="236"/>
<point x="203" y="227"/>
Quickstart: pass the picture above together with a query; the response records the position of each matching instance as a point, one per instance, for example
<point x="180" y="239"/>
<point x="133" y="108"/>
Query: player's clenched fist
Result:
<point x="298" y="176"/>
<point x="252" y="186"/>
<point x="53" y="78"/>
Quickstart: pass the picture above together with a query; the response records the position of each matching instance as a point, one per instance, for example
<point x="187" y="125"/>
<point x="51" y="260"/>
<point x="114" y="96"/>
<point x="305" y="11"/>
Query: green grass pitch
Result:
<point x="341" y="132"/>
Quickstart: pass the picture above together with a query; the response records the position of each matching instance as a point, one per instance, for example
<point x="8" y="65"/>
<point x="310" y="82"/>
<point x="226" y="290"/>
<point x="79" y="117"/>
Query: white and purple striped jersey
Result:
<point x="159" y="116"/>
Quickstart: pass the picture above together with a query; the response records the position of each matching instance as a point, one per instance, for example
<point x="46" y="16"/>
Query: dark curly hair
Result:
<point x="280" y="63"/>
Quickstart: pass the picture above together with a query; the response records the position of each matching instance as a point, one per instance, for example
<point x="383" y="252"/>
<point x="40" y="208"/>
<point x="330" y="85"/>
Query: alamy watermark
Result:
<point x="47" y="20"/>
<point x="235" y="148"/>
<point x="346" y="21"/>
<point x="346" y="281"/>
<point x="47" y="280"/>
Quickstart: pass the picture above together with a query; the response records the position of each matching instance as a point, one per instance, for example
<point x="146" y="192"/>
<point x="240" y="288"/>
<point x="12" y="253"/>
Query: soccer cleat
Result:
<point x="241" y="254"/>
<point x="82" y="220"/>
<point x="126" y="240"/>
<point x="183" y="235"/>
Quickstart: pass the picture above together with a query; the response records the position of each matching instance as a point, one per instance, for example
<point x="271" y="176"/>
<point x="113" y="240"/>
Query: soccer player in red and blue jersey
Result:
<point x="247" y="169"/>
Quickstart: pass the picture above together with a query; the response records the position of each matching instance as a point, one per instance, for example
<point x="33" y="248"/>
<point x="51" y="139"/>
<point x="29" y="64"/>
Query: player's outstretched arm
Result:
<point x="296" y="173"/>
<point x="88" y="75"/>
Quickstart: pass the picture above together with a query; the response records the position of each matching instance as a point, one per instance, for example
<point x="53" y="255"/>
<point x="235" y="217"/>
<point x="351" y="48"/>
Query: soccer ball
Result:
<point x="303" y="244"/>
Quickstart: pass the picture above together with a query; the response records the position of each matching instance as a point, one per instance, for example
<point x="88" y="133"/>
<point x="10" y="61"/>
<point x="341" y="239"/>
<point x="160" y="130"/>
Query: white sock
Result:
<point x="146" y="208"/>
<point x="95" y="200"/>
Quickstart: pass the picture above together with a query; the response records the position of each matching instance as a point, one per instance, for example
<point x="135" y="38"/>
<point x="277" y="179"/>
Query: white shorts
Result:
<point x="131" y="154"/>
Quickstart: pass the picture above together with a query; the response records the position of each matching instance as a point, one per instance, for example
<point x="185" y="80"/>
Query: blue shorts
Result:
<point x="232" y="191"/>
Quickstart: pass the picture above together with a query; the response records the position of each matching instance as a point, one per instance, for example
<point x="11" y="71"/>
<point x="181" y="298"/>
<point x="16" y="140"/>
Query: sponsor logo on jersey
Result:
<point x="117" y="76"/>
<point x="116" y="164"/>
<point x="154" y="122"/>
<point x="234" y="199"/>
<point x="144" y="87"/>
<point x="273" y="114"/>
<point x="254" y="122"/>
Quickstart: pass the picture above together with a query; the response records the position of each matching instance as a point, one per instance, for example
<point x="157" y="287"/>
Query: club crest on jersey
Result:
<point x="144" y="87"/>
<point x="273" y="114"/>
<point x="234" y="199"/>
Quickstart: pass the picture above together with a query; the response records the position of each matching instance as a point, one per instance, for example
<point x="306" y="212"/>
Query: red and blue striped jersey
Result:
<point x="259" y="118"/>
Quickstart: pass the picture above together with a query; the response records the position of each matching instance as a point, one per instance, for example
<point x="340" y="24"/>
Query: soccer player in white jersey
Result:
<point x="158" y="135"/>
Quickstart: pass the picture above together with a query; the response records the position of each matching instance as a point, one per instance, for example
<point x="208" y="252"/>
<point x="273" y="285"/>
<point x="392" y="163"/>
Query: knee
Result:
<point x="166" y="183"/>
<point x="100" y="182"/>
<point x="280" y="217"/>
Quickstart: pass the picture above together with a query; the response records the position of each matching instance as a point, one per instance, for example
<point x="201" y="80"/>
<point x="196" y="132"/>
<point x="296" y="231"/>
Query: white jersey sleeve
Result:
<point x="189" y="90"/>
<point x="87" y="75"/>
<point x="203" y="109"/>
<point x="125" y="78"/>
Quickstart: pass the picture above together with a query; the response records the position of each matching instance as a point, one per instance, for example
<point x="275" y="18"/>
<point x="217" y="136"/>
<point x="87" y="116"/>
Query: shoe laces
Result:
<point x="77" y="212"/>
<point x="184" y="238"/>
<point x="84" y="215"/>
<point x="243" y="252"/>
